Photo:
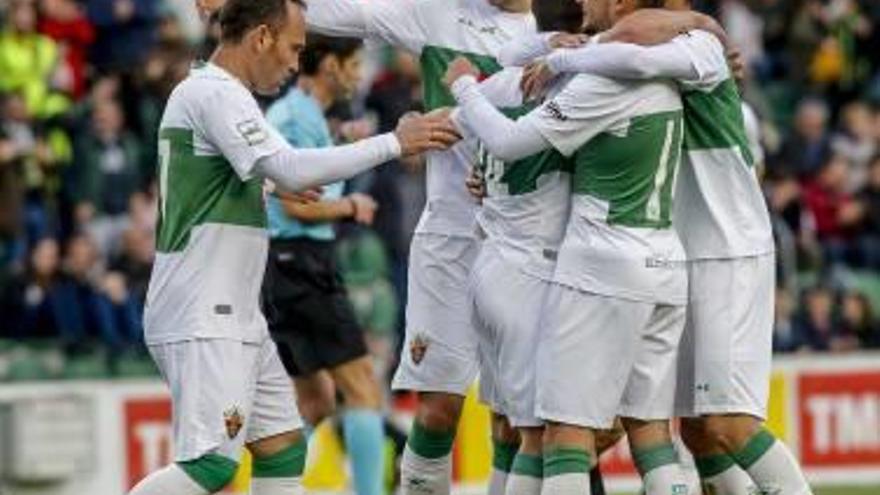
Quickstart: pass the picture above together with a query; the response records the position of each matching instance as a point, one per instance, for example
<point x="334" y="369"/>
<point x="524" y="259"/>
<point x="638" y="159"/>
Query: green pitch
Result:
<point x="847" y="490"/>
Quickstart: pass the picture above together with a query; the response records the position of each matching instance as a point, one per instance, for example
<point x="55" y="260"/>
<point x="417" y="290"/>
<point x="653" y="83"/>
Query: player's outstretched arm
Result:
<point x="625" y="61"/>
<point x="296" y="169"/>
<point x="523" y="51"/>
<point x="505" y="139"/>
<point x="396" y="22"/>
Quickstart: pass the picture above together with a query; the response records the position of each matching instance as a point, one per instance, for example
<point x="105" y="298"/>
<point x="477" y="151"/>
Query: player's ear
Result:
<point x="331" y="65"/>
<point x="261" y="37"/>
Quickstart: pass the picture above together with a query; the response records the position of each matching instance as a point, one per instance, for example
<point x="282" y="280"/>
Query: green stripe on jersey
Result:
<point x="714" y="120"/>
<point x="521" y="176"/>
<point x="435" y="60"/>
<point x="195" y="190"/>
<point x="633" y="173"/>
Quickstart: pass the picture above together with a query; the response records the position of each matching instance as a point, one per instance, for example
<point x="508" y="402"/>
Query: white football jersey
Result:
<point x="212" y="241"/>
<point x="437" y="31"/>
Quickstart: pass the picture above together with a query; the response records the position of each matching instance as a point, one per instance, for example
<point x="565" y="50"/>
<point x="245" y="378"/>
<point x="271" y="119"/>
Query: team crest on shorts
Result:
<point x="417" y="348"/>
<point x="233" y="420"/>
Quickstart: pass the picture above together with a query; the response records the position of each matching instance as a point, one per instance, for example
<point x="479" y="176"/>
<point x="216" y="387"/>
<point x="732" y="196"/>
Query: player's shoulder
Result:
<point x="208" y="85"/>
<point x="703" y="46"/>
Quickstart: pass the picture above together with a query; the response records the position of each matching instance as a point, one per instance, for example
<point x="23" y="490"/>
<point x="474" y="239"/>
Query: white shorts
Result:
<point x="439" y="353"/>
<point x="508" y="307"/>
<point x="726" y="349"/>
<point x="225" y="394"/>
<point x="603" y="357"/>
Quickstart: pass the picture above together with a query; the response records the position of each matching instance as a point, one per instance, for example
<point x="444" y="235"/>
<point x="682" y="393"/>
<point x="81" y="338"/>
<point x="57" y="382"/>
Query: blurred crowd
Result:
<point x="82" y="89"/>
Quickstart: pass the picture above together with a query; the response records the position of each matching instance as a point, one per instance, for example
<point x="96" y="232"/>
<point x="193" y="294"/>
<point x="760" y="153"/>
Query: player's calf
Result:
<point x="278" y="464"/>
<point x="655" y="456"/>
<point x="569" y="455"/>
<point x="505" y="443"/>
<point x="426" y="466"/>
<point x="719" y="473"/>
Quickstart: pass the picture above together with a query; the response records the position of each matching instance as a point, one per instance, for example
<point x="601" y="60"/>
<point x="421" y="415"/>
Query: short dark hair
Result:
<point x="319" y="46"/>
<point x="651" y="4"/>
<point x="558" y="15"/>
<point x="238" y="17"/>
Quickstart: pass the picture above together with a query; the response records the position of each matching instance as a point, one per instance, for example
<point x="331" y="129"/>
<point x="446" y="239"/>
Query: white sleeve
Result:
<point x="626" y="61"/>
<point x="523" y="51"/>
<point x="296" y="169"/>
<point x="753" y="133"/>
<point x="502" y="89"/>
<point x="587" y="106"/>
<point x="232" y="122"/>
<point x="505" y="139"/>
<point x="708" y="58"/>
<point x="397" y="22"/>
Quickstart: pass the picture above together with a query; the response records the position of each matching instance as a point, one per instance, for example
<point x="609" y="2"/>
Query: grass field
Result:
<point x="848" y="490"/>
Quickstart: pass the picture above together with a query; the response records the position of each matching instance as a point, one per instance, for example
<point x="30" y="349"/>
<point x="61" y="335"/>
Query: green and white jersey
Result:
<point x="212" y="241"/>
<point x="437" y="31"/>
<point x="625" y="139"/>
<point x="527" y="202"/>
<point x="720" y="210"/>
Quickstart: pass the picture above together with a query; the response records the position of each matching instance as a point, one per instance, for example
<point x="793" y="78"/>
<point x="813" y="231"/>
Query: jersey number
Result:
<point x="654" y="209"/>
<point x="164" y="162"/>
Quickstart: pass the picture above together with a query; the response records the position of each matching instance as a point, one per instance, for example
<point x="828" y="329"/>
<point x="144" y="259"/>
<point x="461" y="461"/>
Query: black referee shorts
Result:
<point x="306" y="304"/>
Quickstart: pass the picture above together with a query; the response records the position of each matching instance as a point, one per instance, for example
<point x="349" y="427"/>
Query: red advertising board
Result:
<point x="839" y="418"/>
<point x="147" y="436"/>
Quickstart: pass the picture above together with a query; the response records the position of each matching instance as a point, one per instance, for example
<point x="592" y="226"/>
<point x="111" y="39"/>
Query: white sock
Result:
<point x="732" y="481"/>
<point x="170" y="480"/>
<point x="519" y="484"/>
<point x="277" y="486"/>
<point x="668" y="479"/>
<point x="497" y="481"/>
<point x="566" y="484"/>
<point x="423" y="476"/>
<point x="775" y="471"/>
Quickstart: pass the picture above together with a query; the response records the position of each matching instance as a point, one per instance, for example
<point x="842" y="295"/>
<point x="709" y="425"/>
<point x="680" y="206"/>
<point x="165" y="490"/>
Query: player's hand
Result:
<point x="536" y="78"/>
<point x="736" y="62"/>
<point x="568" y="40"/>
<point x="420" y="133"/>
<point x="459" y="68"/>
<point x="476" y="184"/>
<point x="302" y="197"/>
<point x="364" y="208"/>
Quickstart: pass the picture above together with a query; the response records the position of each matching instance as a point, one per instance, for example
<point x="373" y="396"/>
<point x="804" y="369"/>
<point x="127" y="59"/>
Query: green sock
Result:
<point x="566" y="471"/>
<point x="648" y="459"/>
<point x="288" y="463"/>
<point x="430" y="444"/>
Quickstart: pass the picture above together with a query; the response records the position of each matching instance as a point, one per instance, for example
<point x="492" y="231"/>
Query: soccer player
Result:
<point x="203" y="325"/>
<point x="439" y="358"/>
<point x="616" y="310"/>
<point x="310" y="316"/>
<point x="722" y="219"/>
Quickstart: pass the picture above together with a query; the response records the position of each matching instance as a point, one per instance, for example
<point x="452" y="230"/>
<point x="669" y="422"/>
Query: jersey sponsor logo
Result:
<point x="418" y="347"/>
<point x="552" y="109"/>
<point x="223" y="309"/>
<point x="233" y="420"/>
<point x="252" y="132"/>
<point x="492" y="30"/>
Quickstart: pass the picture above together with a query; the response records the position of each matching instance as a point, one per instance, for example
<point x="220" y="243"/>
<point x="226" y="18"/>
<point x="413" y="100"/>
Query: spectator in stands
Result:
<point x="835" y="212"/>
<point x="126" y="31"/>
<point x="65" y="22"/>
<point x="856" y="142"/>
<point x="808" y="146"/>
<point x="869" y="197"/>
<point x="857" y="321"/>
<point x="36" y="295"/>
<point x="815" y="326"/>
<point x="108" y="171"/>
<point x="785" y="338"/>
<point x="28" y="61"/>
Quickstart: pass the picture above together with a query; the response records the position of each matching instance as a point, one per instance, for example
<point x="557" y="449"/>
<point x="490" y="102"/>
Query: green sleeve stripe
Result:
<point x="289" y="463"/>
<point x="713" y="465"/>
<point x="503" y="455"/>
<point x="648" y="459"/>
<point x="211" y="471"/>
<point x="756" y="447"/>
<point x="566" y="461"/>
<point x="430" y="444"/>
<point x="528" y="465"/>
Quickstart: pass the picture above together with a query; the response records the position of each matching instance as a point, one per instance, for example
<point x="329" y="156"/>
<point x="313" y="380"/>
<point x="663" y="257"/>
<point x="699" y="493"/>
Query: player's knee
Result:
<point x="605" y="439"/>
<point x="359" y="386"/>
<point x="211" y="471"/>
<point x="693" y="434"/>
<point x="439" y="412"/>
<point x="316" y="409"/>
<point x="502" y="431"/>
<point x="729" y="432"/>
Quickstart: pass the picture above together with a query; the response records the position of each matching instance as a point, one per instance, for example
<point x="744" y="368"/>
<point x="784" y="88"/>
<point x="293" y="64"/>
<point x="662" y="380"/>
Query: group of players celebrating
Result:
<point x="610" y="265"/>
